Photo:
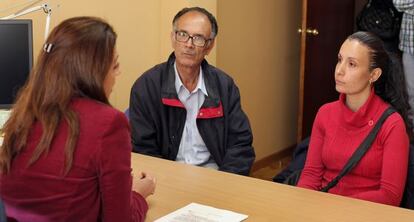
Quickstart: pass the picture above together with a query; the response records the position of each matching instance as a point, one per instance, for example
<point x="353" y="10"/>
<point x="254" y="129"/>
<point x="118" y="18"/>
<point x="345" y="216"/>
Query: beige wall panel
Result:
<point x="258" y="46"/>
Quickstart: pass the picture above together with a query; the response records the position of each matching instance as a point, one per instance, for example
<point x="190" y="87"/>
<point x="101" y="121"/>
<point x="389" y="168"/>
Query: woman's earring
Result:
<point x="370" y="81"/>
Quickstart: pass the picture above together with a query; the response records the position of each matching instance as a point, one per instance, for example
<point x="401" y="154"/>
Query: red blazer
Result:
<point x="98" y="186"/>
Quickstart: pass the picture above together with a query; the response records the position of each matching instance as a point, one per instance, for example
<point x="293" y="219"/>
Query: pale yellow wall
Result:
<point x="259" y="46"/>
<point x="143" y="28"/>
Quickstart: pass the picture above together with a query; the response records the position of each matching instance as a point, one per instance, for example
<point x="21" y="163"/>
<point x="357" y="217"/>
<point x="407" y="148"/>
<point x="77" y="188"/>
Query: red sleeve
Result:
<point x="119" y="203"/>
<point x="394" y="167"/>
<point x="139" y="206"/>
<point x="313" y="170"/>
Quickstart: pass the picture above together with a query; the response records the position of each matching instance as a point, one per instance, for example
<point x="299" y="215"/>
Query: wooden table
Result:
<point x="180" y="184"/>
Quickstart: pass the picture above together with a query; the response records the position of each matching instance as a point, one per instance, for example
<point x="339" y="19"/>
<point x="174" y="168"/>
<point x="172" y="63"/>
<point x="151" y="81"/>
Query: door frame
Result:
<point x="302" y="68"/>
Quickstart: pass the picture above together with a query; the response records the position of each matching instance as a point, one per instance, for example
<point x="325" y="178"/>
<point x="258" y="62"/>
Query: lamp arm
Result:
<point x="46" y="9"/>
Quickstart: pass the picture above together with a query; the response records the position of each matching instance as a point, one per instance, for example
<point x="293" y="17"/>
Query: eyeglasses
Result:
<point x="197" y="40"/>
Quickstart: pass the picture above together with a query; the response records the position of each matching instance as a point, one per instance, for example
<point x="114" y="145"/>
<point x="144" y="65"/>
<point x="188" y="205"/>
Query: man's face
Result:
<point x="196" y="25"/>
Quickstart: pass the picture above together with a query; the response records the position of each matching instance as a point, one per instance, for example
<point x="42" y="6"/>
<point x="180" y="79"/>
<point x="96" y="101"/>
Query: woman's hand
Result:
<point x="145" y="185"/>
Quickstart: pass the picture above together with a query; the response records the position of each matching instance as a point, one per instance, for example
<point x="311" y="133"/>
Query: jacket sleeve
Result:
<point x="119" y="203"/>
<point x="239" y="154"/>
<point x="143" y="130"/>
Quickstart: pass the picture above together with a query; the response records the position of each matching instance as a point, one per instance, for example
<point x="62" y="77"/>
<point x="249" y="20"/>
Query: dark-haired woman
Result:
<point x="66" y="152"/>
<point x="369" y="81"/>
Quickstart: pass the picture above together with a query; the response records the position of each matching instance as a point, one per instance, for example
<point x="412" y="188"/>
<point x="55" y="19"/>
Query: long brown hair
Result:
<point x="75" y="64"/>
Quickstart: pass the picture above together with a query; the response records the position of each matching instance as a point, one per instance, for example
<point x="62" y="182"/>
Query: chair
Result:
<point x="408" y="198"/>
<point x="3" y="217"/>
<point x="290" y="175"/>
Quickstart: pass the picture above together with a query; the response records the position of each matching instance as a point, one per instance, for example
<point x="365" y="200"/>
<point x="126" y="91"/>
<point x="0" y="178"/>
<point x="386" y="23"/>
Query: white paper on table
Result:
<point x="194" y="212"/>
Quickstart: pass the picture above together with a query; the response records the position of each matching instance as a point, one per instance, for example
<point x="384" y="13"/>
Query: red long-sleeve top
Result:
<point x="98" y="186"/>
<point x="337" y="132"/>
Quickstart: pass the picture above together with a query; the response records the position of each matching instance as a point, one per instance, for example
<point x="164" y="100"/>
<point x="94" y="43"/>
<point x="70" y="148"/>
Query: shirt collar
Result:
<point x="200" y="84"/>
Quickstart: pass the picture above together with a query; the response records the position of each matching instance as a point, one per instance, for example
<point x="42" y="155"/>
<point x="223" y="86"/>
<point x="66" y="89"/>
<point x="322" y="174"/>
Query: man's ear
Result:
<point x="210" y="46"/>
<point x="375" y="74"/>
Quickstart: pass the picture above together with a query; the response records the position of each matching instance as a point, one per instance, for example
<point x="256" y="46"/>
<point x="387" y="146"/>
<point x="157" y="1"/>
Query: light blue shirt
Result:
<point x="192" y="148"/>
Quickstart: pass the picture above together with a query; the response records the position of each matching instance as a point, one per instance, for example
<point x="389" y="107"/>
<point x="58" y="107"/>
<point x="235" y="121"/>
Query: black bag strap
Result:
<point x="361" y="150"/>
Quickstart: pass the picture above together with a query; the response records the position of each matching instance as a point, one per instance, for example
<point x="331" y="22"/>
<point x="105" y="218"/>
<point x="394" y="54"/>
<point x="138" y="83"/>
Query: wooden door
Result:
<point x="325" y="25"/>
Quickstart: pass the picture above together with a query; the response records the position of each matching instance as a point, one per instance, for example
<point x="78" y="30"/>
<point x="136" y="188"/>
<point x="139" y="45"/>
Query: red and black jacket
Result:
<point x="157" y="118"/>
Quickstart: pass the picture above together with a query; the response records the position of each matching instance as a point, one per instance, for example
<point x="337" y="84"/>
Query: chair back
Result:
<point x="408" y="198"/>
<point x="3" y="217"/>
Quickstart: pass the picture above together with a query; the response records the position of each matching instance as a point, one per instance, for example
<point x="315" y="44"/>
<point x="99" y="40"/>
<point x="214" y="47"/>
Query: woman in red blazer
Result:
<point x="66" y="154"/>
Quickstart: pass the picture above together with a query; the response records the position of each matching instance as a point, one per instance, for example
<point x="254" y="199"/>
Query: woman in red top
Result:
<point x="368" y="80"/>
<point x="66" y="154"/>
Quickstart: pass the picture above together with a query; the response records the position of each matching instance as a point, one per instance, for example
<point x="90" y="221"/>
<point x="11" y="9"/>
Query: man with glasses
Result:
<point x="187" y="110"/>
